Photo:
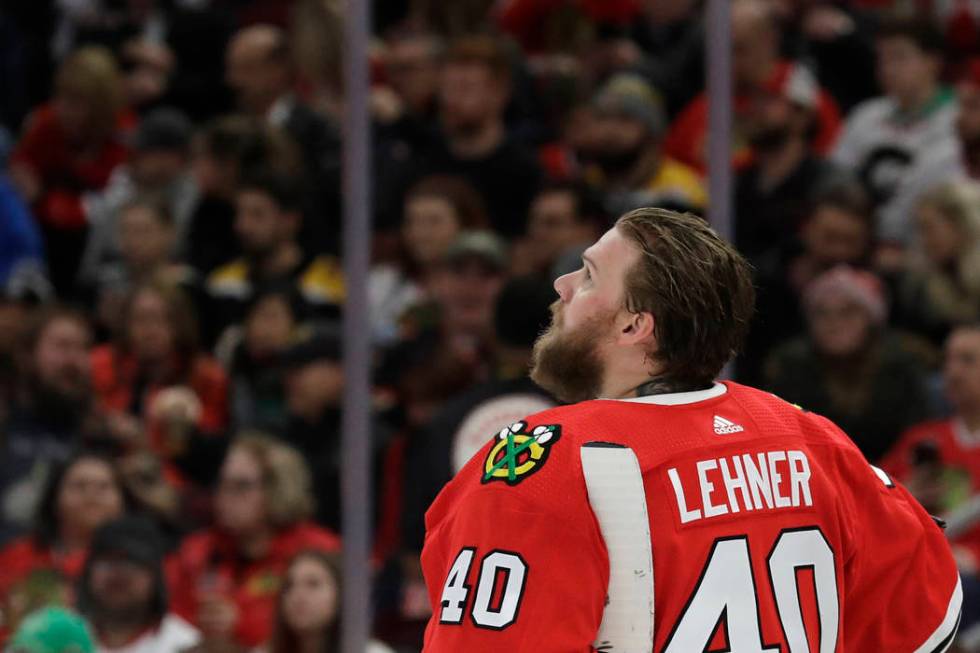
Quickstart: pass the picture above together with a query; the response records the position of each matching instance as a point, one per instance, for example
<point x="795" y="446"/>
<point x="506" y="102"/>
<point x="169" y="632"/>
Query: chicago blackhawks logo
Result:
<point x="517" y="454"/>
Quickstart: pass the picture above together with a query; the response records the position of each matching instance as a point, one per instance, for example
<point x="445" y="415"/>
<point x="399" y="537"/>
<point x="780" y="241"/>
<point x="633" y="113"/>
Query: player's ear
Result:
<point x="636" y="328"/>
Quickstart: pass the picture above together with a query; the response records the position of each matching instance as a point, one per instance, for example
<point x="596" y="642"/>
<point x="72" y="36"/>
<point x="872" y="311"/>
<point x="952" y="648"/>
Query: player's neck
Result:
<point x="664" y="386"/>
<point x="645" y="385"/>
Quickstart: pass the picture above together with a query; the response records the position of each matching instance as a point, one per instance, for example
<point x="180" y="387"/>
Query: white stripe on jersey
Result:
<point x="616" y="494"/>
<point x="942" y="638"/>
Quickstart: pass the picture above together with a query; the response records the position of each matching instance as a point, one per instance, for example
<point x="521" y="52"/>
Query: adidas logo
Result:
<point x="725" y="427"/>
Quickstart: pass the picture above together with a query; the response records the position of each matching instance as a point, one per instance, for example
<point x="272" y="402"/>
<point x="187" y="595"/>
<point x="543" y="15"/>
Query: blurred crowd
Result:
<point x="171" y="281"/>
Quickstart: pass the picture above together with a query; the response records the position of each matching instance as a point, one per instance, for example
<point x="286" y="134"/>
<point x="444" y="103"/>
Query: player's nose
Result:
<point x="563" y="287"/>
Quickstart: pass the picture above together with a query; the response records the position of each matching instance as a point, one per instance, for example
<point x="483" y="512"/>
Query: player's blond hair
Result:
<point x="697" y="287"/>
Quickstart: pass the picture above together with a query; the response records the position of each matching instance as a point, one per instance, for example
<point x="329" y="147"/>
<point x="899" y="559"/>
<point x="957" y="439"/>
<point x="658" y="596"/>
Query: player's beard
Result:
<point x="567" y="363"/>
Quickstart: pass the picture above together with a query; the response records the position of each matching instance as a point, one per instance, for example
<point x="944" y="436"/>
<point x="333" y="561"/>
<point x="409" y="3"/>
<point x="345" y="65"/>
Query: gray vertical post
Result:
<point x="718" y="35"/>
<point x="356" y="470"/>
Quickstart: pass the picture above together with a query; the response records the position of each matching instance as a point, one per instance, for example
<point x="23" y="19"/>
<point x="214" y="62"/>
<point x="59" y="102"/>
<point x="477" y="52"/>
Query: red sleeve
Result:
<point x="211" y="387"/>
<point x="901" y="559"/>
<point x="518" y="567"/>
<point x="38" y="139"/>
<point x="545" y="595"/>
<point x="685" y="140"/>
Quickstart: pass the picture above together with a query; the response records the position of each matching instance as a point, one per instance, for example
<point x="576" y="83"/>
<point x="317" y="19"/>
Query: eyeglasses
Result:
<point x="238" y="485"/>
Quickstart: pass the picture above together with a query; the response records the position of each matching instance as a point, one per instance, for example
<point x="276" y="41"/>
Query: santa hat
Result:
<point x="863" y="288"/>
<point x="796" y="83"/>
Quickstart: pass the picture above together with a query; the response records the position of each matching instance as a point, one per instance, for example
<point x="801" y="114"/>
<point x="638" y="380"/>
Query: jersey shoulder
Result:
<point x="534" y="463"/>
<point x="776" y="416"/>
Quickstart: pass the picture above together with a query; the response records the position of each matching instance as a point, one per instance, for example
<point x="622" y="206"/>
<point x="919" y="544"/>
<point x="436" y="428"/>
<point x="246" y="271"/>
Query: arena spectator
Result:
<point x="226" y="150"/>
<point x="314" y="385"/>
<point x="627" y="153"/>
<point x="947" y="161"/>
<point x="837" y="229"/>
<point x="941" y="285"/>
<point x="436" y="210"/>
<point x="773" y="193"/>
<point x="158" y="166"/>
<point x="145" y="234"/>
<point x="226" y="578"/>
<point x="123" y="592"/>
<point x="53" y="630"/>
<point x="447" y="344"/>
<point x="938" y="460"/>
<point x="884" y="137"/>
<point x="78" y="497"/>
<point x="307" y="619"/>
<point x="849" y="367"/>
<point x="267" y="222"/>
<point x="154" y="383"/>
<point x="408" y="108"/>
<point x="273" y="322"/>
<point x="70" y="147"/>
<point x="565" y="217"/>
<point x="756" y="63"/>
<point x="474" y="90"/>
<point x="260" y="70"/>
<point x="51" y="413"/>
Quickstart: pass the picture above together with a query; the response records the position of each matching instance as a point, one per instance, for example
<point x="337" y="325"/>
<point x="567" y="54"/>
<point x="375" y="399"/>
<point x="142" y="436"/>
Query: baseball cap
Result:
<point x="52" y="630"/>
<point x="630" y="95"/>
<point x="483" y="245"/>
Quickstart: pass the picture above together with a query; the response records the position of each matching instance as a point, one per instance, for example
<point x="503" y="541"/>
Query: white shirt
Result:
<point x="173" y="636"/>
<point x="884" y="150"/>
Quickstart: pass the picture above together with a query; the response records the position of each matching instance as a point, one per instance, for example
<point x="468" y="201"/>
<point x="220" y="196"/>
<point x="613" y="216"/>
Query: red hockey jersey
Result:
<point x="769" y="531"/>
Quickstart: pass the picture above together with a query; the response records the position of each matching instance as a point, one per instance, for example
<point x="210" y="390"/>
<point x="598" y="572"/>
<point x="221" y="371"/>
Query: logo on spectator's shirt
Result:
<point x="517" y="453"/>
<point x="726" y="427"/>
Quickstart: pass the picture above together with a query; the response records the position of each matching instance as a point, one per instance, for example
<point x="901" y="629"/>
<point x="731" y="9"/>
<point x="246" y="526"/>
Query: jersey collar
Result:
<point x="679" y="398"/>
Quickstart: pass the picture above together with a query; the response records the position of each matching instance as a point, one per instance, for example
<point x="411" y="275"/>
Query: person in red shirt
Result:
<point x="940" y="460"/>
<point x="69" y="147"/>
<point x="669" y="512"/>
<point x="77" y="499"/>
<point x="756" y="65"/>
<point x="156" y="386"/>
<point x="225" y="579"/>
